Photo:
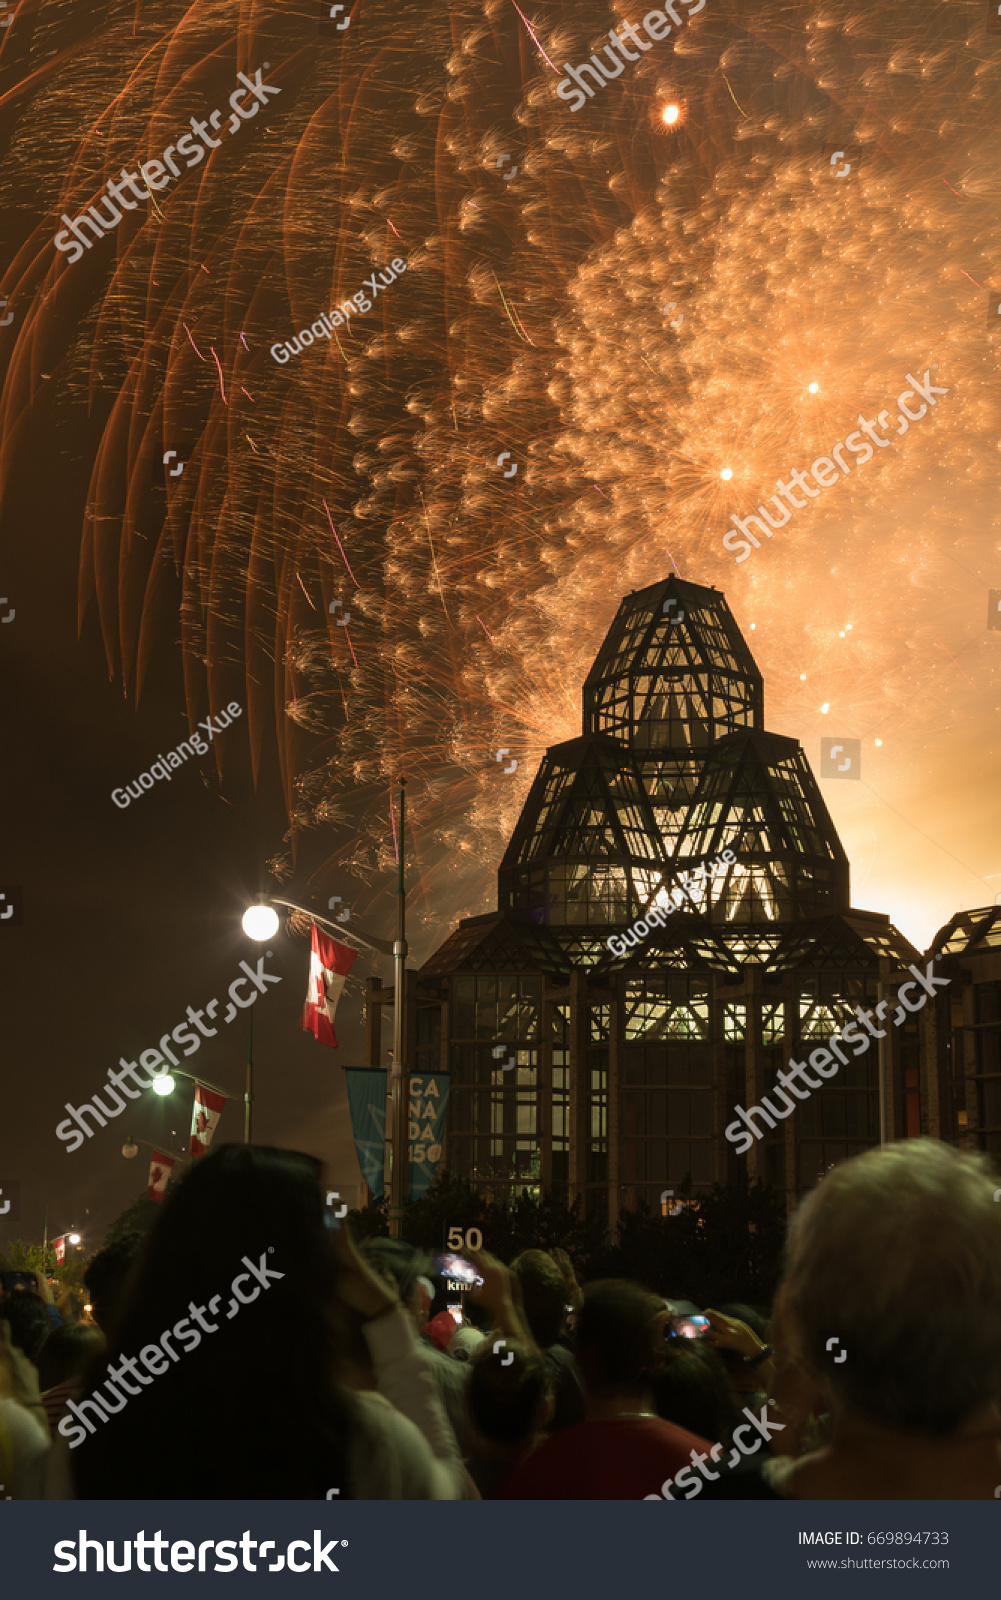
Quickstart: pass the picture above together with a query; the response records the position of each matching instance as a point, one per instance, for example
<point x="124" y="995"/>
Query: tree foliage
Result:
<point x="725" y="1245"/>
<point x="139" y="1216"/>
<point x="23" y="1255"/>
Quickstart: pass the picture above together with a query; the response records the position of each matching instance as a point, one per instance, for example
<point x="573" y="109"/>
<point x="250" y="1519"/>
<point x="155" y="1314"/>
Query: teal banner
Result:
<point x="428" y="1104"/>
<point x="367" y="1099"/>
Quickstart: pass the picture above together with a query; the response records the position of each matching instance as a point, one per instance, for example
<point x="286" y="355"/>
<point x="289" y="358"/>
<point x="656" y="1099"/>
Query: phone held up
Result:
<point x="17" y="1283"/>
<point x="689" y="1327"/>
<point x="448" y="1265"/>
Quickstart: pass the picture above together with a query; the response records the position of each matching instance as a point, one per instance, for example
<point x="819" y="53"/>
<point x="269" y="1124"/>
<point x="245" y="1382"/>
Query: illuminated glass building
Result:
<point x="614" y="1076"/>
<point x="962" y="1038"/>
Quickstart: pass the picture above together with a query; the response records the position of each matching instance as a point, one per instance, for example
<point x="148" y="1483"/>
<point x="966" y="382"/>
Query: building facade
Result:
<point x="611" y="1073"/>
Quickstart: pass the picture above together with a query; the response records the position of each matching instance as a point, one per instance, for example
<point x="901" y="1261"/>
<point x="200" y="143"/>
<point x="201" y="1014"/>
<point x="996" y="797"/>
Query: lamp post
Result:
<point x="369" y="940"/>
<point x="399" y="1081"/>
<point x="260" y="922"/>
<point x="163" y="1082"/>
<point x="396" y="1144"/>
<point x="130" y="1149"/>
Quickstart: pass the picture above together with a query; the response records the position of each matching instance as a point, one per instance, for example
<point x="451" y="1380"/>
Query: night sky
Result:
<point x="131" y="916"/>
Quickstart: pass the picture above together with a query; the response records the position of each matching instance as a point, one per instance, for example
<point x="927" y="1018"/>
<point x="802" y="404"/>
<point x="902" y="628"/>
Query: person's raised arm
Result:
<point x="23" y="1379"/>
<point x="402" y="1369"/>
<point x="496" y="1295"/>
<point x="729" y="1333"/>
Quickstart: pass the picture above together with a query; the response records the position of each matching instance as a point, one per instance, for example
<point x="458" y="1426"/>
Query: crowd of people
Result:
<point x="330" y="1367"/>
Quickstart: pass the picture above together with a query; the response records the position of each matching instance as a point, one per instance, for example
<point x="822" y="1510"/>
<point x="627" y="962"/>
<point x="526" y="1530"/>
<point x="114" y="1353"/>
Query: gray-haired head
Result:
<point x="897" y="1256"/>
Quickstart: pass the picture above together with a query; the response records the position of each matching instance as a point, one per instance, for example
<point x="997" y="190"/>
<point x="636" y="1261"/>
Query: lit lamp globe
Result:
<point x="130" y="1149"/>
<point x="163" y="1083"/>
<point x="260" y="922"/>
<point x="73" y="1238"/>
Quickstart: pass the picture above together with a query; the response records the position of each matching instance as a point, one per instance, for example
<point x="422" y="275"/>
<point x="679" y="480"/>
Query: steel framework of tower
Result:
<point x="628" y="1067"/>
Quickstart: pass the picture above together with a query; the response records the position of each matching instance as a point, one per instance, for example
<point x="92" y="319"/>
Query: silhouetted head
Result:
<point x="543" y="1294"/>
<point x="107" y="1275"/>
<point x="620" y="1337"/>
<point x="239" y="1272"/>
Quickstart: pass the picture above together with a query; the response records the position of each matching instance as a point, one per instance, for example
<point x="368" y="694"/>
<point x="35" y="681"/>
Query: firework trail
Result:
<point x="538" y="316"/>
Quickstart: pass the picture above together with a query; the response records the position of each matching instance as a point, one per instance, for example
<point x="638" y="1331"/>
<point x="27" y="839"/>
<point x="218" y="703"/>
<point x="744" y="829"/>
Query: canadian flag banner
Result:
<point x="205" y="1113"/>
<point x="329" y="965"/>
<point x="159" y="1172"/>
<point x="59" y="1246"/>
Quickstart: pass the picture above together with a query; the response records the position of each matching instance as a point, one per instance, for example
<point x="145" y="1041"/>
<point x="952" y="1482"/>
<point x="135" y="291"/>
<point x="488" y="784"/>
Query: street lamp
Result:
<point x="396" y="1126"/>
<point x="163" y="1084"/>
<point x="72" y="1238"/>
<point x="260" y="922"/>
<point x="130" y="1149"/>
<point x="342" y="931"/>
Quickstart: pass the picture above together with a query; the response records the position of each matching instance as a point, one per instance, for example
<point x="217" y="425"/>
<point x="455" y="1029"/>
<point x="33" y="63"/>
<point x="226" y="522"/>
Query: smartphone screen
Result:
<point x="457" y="1268"/>
<point x="14" y="1282"/>
<point x="689" y="1327"/>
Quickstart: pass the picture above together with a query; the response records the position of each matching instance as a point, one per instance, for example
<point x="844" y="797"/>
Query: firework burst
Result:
<point x="641" y="305"/>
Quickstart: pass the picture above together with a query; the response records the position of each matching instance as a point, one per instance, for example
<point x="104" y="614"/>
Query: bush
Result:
<point x="725" y="1245"/>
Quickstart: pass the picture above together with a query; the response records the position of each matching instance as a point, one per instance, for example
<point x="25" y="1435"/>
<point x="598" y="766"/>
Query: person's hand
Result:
<point x="359" y="1287"/>
<point x="21" y="1374"/>
<point x="799" y="1395"/>
<point x="43" y="1287"/>
<point x="732" y="1334"/>
<point x="494" y="1293"/>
